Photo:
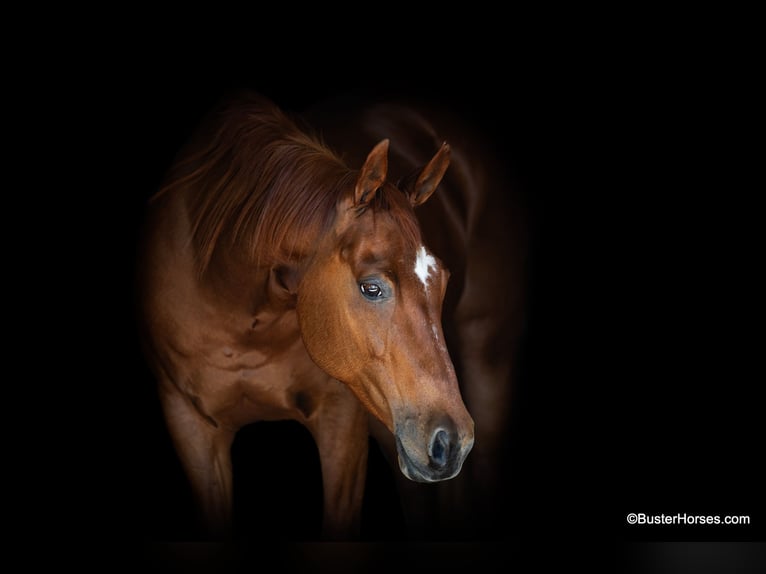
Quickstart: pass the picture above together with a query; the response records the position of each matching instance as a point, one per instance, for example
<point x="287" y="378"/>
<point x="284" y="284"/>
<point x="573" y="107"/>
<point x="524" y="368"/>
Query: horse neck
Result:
<point x="238" y="276"/>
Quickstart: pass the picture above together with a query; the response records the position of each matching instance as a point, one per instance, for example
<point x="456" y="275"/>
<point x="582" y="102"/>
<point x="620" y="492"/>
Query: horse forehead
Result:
<point x="367" y="238"/>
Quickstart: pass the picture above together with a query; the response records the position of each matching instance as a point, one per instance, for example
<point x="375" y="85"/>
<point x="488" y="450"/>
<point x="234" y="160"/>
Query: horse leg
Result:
<point x="205" y="454"/>
<point x="339" y="428"/>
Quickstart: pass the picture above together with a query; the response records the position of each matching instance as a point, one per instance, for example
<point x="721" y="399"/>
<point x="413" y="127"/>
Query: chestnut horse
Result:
<point x="278" y="282"/>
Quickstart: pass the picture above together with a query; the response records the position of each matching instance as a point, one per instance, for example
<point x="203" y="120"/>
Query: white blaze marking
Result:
<point x="423" y="264"/>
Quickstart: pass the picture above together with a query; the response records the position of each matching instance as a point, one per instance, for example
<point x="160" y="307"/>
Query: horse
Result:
<point x="294" y="269"/>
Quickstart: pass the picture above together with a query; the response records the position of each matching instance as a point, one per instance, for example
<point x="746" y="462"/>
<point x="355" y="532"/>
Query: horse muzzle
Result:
<point x="432" y="452"/>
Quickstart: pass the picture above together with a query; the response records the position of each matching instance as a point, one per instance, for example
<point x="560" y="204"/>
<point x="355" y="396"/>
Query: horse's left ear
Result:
<point x="372" y="175"/>
<point x="421" y="183"/>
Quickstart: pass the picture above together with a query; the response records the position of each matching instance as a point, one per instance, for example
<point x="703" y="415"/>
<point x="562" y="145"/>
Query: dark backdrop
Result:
<point x="638" y="384"/>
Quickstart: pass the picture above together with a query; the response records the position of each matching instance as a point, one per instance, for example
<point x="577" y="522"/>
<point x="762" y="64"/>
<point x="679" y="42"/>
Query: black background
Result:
<point x="640" y="379"/>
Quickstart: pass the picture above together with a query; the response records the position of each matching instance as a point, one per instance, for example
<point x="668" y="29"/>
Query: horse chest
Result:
<point x="267" y="376"/>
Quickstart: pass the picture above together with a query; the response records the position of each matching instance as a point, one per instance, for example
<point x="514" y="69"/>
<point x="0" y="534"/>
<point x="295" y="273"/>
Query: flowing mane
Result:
<point x="252" y="176"/>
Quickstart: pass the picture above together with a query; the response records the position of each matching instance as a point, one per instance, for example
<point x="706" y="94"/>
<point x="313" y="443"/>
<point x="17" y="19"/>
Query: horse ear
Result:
<point x="421" y="183"/>
<point x="372" y="175"/>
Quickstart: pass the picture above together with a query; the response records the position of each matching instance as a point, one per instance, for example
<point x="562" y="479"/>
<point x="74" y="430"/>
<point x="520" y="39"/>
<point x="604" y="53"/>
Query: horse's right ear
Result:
<point x="372" y="175"/>
<point x="421" y="183"/>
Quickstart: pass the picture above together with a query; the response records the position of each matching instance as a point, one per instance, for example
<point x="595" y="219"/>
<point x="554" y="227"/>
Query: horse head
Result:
<point x="369" y="307"/>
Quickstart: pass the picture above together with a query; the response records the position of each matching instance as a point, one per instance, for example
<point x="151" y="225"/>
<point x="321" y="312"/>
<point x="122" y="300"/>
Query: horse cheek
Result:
<point x="320" y="321"/>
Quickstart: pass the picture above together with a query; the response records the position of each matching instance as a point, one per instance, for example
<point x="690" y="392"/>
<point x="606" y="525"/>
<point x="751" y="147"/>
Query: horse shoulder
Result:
<point x="228" y="340"/>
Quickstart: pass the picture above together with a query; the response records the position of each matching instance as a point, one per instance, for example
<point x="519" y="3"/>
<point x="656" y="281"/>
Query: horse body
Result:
<point x="278" y="283"/>
<point x="225" y="354"/>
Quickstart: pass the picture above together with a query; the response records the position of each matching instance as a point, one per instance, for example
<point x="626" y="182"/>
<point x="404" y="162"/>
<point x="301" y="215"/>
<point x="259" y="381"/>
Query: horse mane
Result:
<point x="251" y="174"/>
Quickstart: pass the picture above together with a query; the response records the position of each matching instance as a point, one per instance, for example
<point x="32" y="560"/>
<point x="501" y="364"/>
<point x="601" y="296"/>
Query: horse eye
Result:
<point x="370" y="290"/>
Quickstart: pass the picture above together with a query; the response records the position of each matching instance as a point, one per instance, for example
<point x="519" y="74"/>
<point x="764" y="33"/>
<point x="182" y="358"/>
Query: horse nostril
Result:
<point x="438" y="450"/>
